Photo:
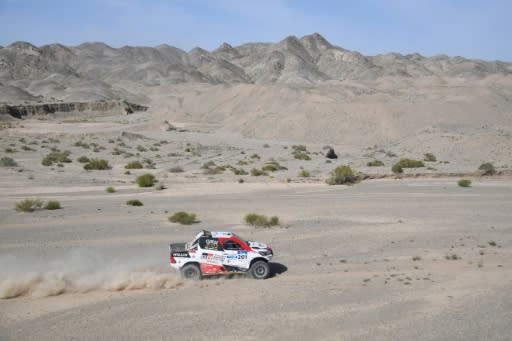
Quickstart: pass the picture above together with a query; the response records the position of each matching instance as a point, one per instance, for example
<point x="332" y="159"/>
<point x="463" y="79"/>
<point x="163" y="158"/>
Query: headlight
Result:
<point x="265" y="253"/>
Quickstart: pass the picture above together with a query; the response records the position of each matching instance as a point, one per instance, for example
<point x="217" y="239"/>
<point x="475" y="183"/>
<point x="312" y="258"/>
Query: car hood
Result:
<point x="258" y="246"/>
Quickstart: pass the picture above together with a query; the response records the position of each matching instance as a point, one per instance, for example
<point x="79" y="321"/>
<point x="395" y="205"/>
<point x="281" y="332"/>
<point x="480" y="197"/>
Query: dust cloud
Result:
<point x="82" y="271"/>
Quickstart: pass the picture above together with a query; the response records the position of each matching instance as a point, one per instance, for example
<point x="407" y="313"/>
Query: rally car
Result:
<point x="219" y="253"/>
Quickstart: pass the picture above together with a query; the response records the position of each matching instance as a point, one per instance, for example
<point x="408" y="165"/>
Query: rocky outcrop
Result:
<point x="121" y="107"/>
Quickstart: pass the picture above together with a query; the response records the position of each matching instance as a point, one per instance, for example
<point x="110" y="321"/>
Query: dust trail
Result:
<point x="80" y="272"/>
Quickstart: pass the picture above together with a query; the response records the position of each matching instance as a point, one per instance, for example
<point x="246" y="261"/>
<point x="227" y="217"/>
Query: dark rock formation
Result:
<point x="19" y="111"/>
<point x="331" y="154"/>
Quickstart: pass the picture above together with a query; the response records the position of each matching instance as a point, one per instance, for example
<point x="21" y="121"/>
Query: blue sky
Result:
<point x="470" y="28"/>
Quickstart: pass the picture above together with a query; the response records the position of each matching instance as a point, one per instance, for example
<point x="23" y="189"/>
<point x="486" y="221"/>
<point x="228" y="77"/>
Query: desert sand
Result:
<point x="393" y="257"/>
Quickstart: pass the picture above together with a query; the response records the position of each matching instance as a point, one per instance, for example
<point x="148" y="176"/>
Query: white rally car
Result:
<point x="218" y="253"/>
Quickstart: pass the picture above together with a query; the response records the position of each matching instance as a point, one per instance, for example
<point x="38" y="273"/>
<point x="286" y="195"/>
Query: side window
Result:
<point x="231" y="245"/>
<point x="209" y="243"/>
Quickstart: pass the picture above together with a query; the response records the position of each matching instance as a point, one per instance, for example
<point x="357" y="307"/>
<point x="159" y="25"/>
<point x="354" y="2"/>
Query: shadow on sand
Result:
<point x="277" y="269"/>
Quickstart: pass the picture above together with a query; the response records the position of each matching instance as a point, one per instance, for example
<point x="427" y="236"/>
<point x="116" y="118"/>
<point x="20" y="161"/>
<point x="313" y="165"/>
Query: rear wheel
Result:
<point x="259" y="270"/>
<point x="191" y="272"/>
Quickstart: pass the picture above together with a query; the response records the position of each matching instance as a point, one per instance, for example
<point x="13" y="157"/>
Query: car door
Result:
<point x="211" y="251"/>
<point x="234" y="255"/>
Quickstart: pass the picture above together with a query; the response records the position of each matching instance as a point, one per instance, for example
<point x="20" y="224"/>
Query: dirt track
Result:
<point x="344" y="261"/>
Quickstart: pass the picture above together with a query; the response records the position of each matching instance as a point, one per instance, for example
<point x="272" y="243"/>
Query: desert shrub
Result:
<point x="10" y="150"/>
<point x="397" y="168"/>
<point x="208" y="165"/>
<point x="56" y="157"/>
<point x="52" y="205"/>
<point x="96" y="164"/>
<point x="464" y="183"/>
<point x="183" y="218"/>
<point x="134" y="165"/>
<point x="238" y="171"/>
<point x="146" y="180"/>
<point x="176" y="169"/>
<point x="429" y="157"/>
<point x="342" y="175"/>
<point x="260" y="220"/>
<point x="153" y="148"/>
<point x="110" y="189"/>
<point x="406" y="163"/>
<point x="29" y="205"/>
<point x="300" y="148"/>
<point x="410" y="163"/>
<point x="304" y="174"/>
<point x="83" y="159"/>
<point x="266" y="145"/>
<point x="257" y="172"/>
<point x="331" y="154"/>
<point x="141" y="148"/>
<point x="272" y="166"/>
<point x="301" y="156"/>
<point x="255" y="156"/>
<point x="375" y="163"/>
<point x="8" y="162"/>
<point x="82" y="144"/>
<point x="27" y="148"/>
<point x="134" y="202"/>
<point x="487" y="168"/>
<point x="390" y="154"/>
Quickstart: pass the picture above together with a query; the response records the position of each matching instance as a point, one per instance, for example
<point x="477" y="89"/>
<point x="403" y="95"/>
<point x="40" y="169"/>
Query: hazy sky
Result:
<point x="470" y="28"/>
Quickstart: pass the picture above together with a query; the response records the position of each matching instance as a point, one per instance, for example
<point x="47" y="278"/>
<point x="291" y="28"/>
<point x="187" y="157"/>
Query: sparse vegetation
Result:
<point x="146" y="180"/>
<point x="110" y="189"/>
<point x="238" y="171"/>
<point x="82" y="144"/>
<point x="56" y="157"/>
<point x="8" y="162"/>
<point x="342" y="175"/>
<point x="29" y="205"/>
<point x="259" y="220"/>
<point x="429" y="157"/>
<point x="452" y="256"/>
<point x="257" y="172"/>
<point x="134" y="202"/>
<point x="272" y="166"/>
<point x="176" y="169"/>
<point x="304" y="174"/>
<point x="183" y="218"/>
<point x="406" y="163"/>
<point x="487" y="168"/>
<point x="375" y="163"/>
<point x="134" y="165"/>
<point x="464" y="183"/>
<point x="83" y="159"/>
<point x="52" y="205"/>
<point x="97" y="164"/>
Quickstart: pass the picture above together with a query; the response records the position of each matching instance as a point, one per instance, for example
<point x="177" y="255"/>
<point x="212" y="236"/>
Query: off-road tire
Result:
<point x="259" y="270"/>
<point x="191" y="272"/>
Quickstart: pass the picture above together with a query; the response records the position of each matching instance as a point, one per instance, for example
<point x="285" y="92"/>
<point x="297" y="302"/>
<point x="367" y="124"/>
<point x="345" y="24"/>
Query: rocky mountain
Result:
<point x="96" y="71"/>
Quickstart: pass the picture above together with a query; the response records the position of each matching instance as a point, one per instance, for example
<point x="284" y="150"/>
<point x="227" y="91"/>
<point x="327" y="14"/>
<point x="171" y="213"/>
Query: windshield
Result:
<point x="242" y="239"/>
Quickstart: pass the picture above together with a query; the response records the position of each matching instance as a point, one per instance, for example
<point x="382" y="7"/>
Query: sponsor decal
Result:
<point x="211" y="258"/>
<point x="180" y="254"/>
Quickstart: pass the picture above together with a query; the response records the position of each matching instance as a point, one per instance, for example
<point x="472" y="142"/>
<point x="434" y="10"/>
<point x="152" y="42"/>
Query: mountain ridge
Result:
<point x="306" y="61"/>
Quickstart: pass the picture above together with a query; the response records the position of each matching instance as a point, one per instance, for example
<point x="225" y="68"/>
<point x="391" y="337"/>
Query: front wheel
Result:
<point x="191" y="272"/>
<point x="259" y="270"/>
